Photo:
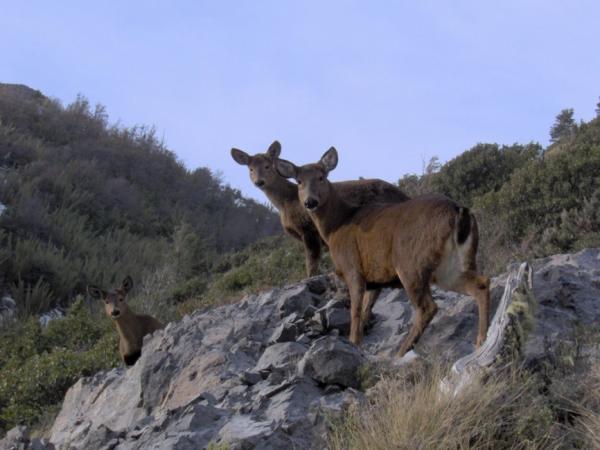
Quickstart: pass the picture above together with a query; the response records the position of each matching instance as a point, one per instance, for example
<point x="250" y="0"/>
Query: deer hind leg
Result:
<point x="424" y="311"/>
<point x="312" y="253"/>
<point x="478" y="287"/>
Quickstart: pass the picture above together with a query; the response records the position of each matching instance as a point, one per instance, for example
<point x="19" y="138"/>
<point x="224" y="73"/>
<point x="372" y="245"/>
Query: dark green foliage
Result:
<point x="537" y="193"/>
<point x="411" y="184"/>
<point x="274" y="261"/>
<point x="564" y="127"/>
<point x="38" y="365"/>
<point x="87" y="202"/>
<point x="484" y="168"/>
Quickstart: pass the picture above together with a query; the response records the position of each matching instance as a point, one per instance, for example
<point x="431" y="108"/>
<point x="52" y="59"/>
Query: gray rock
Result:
<point x="209" y="378"/>
<point x="296" y="299"/>
<point x="285" y="332"/>
<point x="8" y="309"/>
<point x="53" y="314"/>
<point x="281" y="356"/>
<point x="17" y="437"/>
<point x="251" y="378"/>
<point x="337" y="404"/>
<point x="333" y="360"/>
<point x="318" y="285"/>
<point x="338" y="319"/>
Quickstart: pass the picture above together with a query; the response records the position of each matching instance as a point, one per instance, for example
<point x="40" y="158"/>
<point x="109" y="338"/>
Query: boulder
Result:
<point x="281" y="356"/>
<point x="331" y="360"/>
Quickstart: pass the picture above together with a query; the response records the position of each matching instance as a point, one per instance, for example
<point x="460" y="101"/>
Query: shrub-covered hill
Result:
<point x="86" y="201"/>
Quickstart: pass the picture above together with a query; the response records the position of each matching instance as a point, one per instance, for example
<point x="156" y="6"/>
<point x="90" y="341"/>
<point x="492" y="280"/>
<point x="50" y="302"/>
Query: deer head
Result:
<point x="314" y="188"/>
<point x="114" y="300"/>
<point x="261" y="166"/>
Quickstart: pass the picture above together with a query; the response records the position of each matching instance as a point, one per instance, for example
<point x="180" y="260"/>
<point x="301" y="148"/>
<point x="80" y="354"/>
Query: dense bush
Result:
<point x="38" y="365"/>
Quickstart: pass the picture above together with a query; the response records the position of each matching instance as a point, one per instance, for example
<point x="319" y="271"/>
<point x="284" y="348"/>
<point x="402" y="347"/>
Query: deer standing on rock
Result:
<point x="131" y="327"/>
<point x="283" y="194"/>
<point x="424" y="240"/>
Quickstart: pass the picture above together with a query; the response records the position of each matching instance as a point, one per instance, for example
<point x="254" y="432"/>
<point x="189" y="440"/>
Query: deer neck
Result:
<point x="282" y="192"/>
<point x="333" y="214"/>
<point x="126" y="326"/>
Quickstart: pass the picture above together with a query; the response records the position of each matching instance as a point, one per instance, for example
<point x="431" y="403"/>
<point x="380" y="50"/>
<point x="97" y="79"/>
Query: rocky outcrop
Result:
<point x="270" y="371"/>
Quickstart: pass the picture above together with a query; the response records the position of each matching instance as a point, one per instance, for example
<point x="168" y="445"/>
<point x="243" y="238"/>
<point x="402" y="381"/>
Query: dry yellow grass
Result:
<point x="509" y="411"/>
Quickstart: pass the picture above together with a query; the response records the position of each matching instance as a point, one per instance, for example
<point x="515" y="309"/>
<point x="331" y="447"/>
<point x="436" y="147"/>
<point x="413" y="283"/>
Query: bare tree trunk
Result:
<point x="506" y="336"/>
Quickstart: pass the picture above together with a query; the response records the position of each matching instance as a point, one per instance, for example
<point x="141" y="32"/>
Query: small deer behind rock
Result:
<point x="131" y="327"/>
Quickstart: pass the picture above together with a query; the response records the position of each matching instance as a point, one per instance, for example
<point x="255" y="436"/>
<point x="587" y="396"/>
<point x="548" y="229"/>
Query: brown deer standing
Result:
<point x="131" y="327"/>
<point x="427" y="239"/>
<point x="284" y="196"/>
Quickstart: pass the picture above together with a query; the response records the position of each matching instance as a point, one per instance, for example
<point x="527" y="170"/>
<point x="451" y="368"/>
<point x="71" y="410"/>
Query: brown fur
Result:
<point x="131" y="327"/>
<point x="284" y="196"/>
<point x="416" y="241"/>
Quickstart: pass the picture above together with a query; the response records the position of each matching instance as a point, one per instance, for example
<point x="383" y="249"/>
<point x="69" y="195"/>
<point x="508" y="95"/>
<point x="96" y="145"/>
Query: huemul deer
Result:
<point x="284" y="196"/>
<point x="427" y="239"/>
<point x="131" y="327"/>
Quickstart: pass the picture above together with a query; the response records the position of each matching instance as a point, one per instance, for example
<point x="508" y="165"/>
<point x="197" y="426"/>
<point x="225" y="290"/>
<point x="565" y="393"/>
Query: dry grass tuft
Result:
<point x="508" y="411"/>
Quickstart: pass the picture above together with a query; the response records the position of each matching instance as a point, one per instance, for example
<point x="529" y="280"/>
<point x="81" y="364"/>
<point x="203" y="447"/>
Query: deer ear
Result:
<point x="127" y="284"/>
<point x="96" y="292"/>
<point x="240" y="157"/>
<point x="329" y="159"/>
<point x="286" y="169"/>
<point x="274" y="150"/>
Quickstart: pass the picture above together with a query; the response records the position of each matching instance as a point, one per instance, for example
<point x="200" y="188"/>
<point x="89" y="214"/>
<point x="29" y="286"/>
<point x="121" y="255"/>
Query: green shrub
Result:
<point x="38" y="365"/>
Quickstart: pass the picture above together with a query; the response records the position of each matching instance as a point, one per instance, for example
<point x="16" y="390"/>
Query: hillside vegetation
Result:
<point x="89" y="202"/>
<point x="529" y="201"/>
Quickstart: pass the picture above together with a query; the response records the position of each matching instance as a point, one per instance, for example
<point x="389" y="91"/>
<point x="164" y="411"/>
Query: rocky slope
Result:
<point x="270" y="371"/>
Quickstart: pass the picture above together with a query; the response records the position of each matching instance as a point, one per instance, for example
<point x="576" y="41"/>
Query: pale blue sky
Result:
<point x="387" y="82"/>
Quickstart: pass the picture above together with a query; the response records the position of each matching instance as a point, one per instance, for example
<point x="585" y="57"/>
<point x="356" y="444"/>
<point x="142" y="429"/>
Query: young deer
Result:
<point x="427" y="239"/>
<point x="131" y="327"/>
<point x="294" y="217"/>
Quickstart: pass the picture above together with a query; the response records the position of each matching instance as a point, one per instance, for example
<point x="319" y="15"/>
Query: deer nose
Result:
<point x="115" y="313"/>
<point x="260" y="183"/>
<point x="311" y="203"/>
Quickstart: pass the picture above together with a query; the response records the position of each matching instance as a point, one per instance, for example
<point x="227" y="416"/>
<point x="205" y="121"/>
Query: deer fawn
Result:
<point x="131" y="327"/>
<point x="294" y="217"/>
<point x="424" y="240"/>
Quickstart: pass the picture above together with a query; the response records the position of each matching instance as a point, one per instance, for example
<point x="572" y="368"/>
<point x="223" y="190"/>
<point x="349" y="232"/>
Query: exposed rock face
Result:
<point x="268" y="372"/>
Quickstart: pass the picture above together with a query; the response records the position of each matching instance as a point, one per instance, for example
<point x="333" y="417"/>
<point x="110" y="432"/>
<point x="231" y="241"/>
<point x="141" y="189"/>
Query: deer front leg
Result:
<point x="367" y="306"/>
<point x="356" y="286"/>
<point x="312" y="253"/>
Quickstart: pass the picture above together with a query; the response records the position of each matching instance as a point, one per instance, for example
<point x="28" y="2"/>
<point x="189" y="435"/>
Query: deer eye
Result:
<point x="267" y="167"/>
<point x="298" y="181"/>
<point x="320" y="178"/>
